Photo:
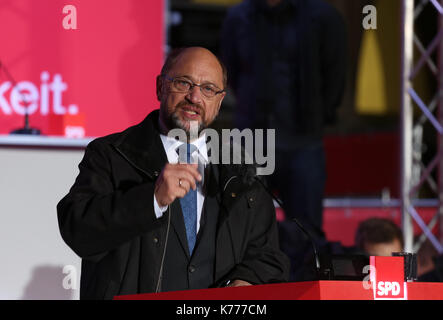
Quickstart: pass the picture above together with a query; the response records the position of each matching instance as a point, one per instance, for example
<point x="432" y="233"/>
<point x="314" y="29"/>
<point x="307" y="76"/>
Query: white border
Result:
<point x="43" y="141"/>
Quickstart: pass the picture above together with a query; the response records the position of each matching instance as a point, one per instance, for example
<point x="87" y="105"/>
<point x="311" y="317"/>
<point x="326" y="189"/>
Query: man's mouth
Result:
<point x="191" y="112"/>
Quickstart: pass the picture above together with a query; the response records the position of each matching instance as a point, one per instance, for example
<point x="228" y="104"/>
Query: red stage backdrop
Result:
<point x="90" y="81"/>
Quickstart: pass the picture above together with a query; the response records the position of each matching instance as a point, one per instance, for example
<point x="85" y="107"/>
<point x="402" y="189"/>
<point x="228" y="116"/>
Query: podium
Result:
<point x="385" y="278"/>
<point x="310" y="290"/>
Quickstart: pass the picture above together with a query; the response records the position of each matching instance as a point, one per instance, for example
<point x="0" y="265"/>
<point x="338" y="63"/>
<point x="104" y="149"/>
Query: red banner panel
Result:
<point x="84" y="68"/>
<point x="387" y="277"/>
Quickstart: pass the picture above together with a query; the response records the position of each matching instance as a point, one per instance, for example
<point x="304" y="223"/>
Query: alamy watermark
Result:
<point x="370" y="270"/>
<point x="70" y="20"/>
<point x="236" y="147"/>
<point x="370" y="20"/>
<point x="70" y="281"/>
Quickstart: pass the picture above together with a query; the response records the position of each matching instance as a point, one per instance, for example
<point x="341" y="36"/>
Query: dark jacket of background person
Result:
<point x="287" y="67"/>
<point x="435" y="275"/>
<point x="314" y="37"/>
<point x="108" y="219"/>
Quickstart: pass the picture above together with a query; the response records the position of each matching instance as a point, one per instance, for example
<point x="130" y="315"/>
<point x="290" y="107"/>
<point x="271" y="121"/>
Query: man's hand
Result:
<point x="239" y="283"/>
<point x="174" y="181"/>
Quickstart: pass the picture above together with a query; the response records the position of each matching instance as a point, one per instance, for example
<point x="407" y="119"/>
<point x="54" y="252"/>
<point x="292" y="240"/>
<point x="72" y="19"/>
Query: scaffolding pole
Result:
<point x="440" y="116"/>
<point x="411" y="182"/>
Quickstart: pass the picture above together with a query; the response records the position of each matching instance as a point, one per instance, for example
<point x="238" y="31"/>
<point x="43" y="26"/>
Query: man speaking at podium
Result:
<point x="143" y="220"/>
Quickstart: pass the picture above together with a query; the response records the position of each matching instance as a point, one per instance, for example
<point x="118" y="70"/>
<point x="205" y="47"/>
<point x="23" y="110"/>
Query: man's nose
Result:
<point x="194" y="95"/>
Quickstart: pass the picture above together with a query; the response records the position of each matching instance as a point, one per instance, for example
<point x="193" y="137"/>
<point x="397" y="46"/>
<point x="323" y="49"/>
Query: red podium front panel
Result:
<point x="311" y="290"/>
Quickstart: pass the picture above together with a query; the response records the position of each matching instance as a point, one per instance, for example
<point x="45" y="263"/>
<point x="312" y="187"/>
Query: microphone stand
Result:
<point x="306" y="232"/>
<point x="26" y="128"/>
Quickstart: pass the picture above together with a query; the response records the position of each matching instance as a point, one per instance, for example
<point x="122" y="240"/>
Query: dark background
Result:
<point x="363" y="151"/>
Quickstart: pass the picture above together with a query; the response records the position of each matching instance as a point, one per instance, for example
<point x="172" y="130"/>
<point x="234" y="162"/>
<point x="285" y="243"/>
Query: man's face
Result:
<point x="178" y="109"/>
<point x="383" y="249"/>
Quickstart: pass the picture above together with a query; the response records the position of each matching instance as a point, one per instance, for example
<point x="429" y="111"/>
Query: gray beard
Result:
<point x="173" y="122"/>
<point x="177" y="123"/>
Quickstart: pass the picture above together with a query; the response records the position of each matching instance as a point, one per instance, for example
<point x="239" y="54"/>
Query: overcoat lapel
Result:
<point x="142" y="146"/>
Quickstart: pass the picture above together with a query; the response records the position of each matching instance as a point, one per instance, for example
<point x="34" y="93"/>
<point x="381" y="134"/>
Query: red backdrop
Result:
<point x="99" y="77"/>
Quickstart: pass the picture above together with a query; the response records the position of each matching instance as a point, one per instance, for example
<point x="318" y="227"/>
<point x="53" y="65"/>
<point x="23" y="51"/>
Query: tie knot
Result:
<point x="185" y="151"/>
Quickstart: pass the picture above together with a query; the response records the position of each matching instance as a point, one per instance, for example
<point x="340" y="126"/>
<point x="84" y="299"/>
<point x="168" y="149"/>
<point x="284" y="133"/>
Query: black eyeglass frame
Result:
<point x="193" y="85"/>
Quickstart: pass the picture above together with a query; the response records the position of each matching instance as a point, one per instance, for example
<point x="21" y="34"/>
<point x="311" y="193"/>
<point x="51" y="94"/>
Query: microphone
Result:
<point x="249" y="175"/>
<point x="26" y="128"/>
<point x="160" y="273"/>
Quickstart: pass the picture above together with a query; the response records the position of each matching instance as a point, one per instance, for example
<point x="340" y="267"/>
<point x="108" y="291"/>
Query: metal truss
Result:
<point x="414" y="172"/>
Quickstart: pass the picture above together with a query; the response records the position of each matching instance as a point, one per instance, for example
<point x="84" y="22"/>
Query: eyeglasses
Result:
<point x="185" y="85"/>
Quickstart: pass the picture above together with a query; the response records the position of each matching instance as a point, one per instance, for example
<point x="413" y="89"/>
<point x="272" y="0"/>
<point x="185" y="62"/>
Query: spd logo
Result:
<point x="387" y="288"/>
<point x="387" y="277"/>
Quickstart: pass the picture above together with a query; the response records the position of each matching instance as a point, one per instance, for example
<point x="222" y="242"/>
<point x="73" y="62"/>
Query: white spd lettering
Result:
<point x="386" y="287"/>
<point x="74" y="132"/>
<point x="35" y="97"/>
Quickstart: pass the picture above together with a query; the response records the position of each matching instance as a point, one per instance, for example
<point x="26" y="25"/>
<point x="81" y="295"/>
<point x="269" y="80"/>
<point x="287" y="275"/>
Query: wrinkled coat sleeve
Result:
<point x="95" y="216"/>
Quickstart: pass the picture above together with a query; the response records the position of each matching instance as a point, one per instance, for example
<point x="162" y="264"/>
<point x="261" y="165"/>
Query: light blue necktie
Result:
<point x="189" y="201"/>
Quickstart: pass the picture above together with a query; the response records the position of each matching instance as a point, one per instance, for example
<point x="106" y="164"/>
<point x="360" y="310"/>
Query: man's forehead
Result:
<point x="198" y="60"/>
<point x="196" y="52"/>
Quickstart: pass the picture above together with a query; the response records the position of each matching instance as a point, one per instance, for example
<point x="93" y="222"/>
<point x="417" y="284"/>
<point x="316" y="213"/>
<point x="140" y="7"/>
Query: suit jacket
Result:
<point x="108" y="219"/>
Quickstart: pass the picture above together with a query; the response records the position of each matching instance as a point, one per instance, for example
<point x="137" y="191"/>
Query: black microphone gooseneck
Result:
<point x="26" y="128"/>
<point x="317" y="260"/>
<point x="160" y="273"/>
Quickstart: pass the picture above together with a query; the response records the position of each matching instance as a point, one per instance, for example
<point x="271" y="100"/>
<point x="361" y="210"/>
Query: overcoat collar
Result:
<point x="142" y="147"/>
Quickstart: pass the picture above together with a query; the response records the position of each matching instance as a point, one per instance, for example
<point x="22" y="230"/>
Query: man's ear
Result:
<point x="221" y="100"/>
<point x="159" y="87"/>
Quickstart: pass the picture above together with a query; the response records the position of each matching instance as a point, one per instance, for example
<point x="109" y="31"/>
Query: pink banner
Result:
<point x="85" y="68"/>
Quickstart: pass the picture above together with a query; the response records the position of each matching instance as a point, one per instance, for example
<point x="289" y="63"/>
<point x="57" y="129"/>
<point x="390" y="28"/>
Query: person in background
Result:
<point x="429" y="263"/>
<point x="379" y="237"/>
<point x="287" y="66"/>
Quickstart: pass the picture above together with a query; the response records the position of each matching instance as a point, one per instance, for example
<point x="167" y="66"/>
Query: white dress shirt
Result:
<point x="200" y="156"/>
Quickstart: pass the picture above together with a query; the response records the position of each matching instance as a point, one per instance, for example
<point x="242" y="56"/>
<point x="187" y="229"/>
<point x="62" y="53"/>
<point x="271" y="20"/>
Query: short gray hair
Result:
<point x="175" y="53"/>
